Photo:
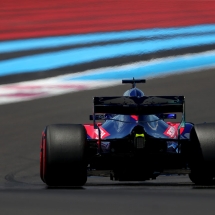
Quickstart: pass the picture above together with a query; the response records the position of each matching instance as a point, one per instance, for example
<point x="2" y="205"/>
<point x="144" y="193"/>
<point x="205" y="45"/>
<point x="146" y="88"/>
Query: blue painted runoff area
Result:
<point x="51" y="42"/>
<point x="151" y="69"/>
<point x="72" y="57"/>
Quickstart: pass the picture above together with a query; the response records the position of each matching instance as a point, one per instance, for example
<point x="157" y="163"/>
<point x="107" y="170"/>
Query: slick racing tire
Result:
<point x="63" y="155"/>
<point x="201" y="176"/>
<point x="202" y="160"/>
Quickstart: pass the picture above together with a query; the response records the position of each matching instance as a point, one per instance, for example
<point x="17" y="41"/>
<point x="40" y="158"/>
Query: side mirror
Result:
<point x="169" y="116"/>
<point x="97" y="117"/>
<point x="102" y="116"/>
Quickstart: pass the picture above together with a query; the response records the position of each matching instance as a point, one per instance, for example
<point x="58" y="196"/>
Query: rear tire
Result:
<point x="64" y="155"/>
<point x="201" y="177"/>
<point x="202" y="160"/>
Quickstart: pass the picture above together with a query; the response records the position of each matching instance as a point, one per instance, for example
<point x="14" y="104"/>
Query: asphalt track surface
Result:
<point x="22" y="192"/>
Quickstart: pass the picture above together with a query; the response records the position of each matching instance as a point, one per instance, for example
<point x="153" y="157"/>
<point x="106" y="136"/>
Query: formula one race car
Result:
<point x="139" y="139"/>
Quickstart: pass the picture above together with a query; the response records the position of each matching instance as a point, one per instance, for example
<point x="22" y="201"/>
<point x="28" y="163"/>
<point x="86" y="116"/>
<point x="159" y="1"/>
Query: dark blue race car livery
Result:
<point x="137" y="138"/>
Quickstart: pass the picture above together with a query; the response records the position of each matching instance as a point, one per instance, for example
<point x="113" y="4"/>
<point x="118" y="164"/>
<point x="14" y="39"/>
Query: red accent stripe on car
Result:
<point x="93" y="133"/>
<point x="135" y="117"/>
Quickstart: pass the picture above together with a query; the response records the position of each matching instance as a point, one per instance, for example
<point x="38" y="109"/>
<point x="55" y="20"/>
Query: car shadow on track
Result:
<point x="120" y="185"/>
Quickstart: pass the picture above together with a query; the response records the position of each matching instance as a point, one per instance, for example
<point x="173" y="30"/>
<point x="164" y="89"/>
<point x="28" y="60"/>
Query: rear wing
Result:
<point x="145" y="105"/>
<point x="139" y="105"/>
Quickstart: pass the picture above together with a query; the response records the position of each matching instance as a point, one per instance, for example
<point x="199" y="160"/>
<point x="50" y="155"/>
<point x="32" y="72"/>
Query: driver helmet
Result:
<point x="134" y="92"/>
